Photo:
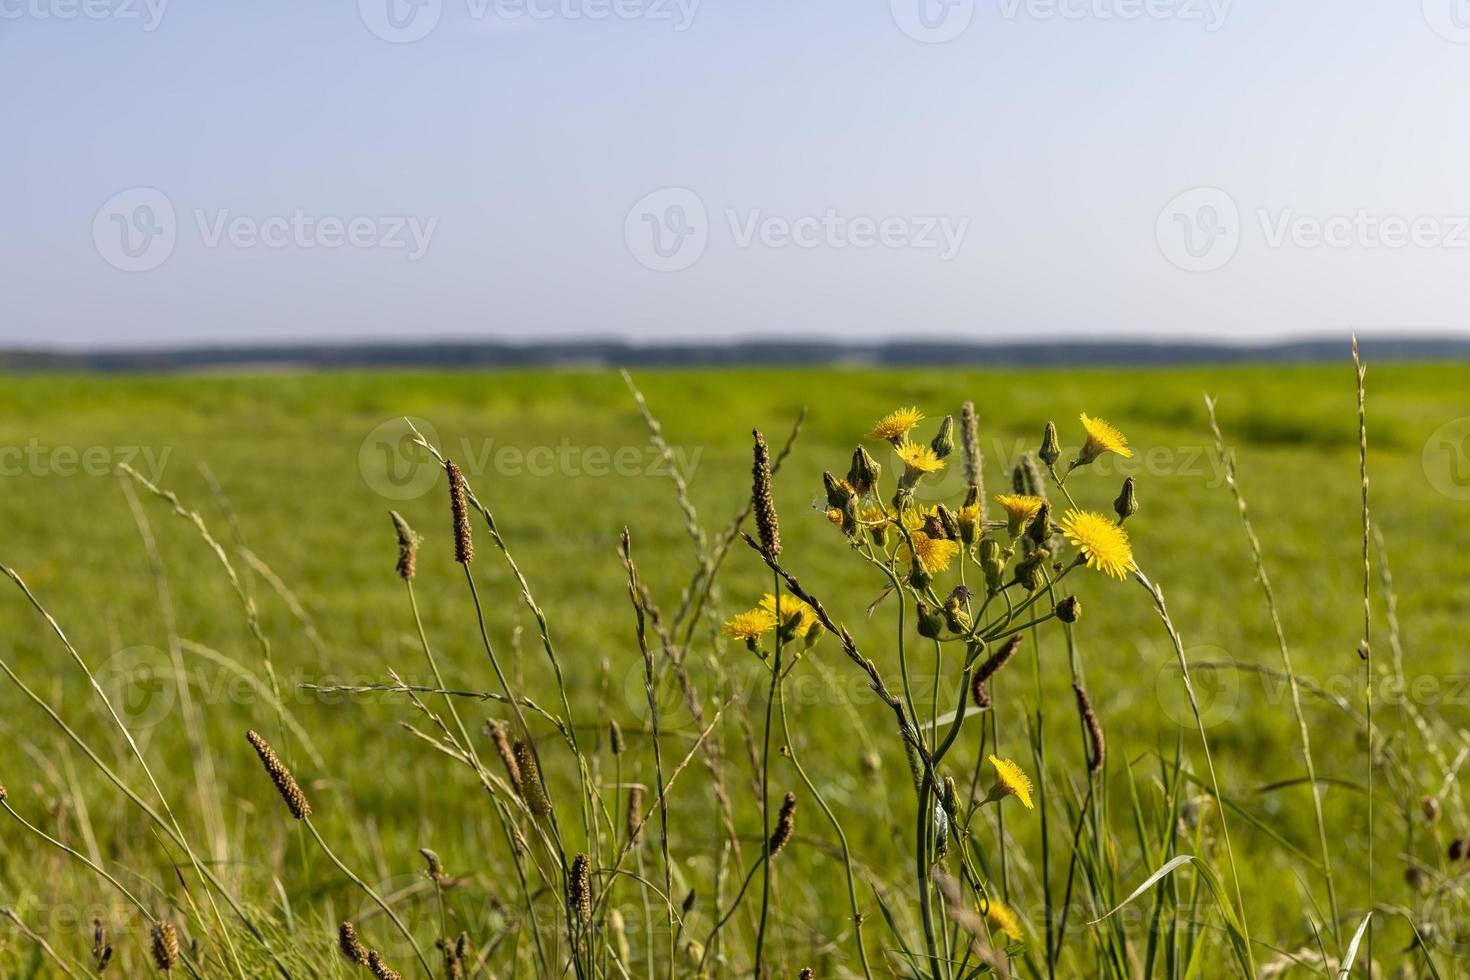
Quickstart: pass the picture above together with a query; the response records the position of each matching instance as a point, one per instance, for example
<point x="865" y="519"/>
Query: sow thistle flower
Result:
<point x="934" y="554"/>
<point x="794" y="616"/>
<point x="1010" y="780"/>
<point x="896" y="425"/>
<point x="918" y="459"/>
<point x="1019" y="508"/>
<point x="1002" y="919"/>
<point x="750" y="626"/>
<point x="1102" y="543"/>
<point x="1101" y="438"/>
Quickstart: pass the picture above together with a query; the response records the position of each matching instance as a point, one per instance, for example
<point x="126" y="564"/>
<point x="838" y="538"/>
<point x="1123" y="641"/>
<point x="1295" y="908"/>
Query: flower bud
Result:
<point x="1127" y="503"/>
<point x="1030" y="570"/>
<point x="1069" y="610"/>
<point x="943" y="443"/>
<point x="947" y="522"/>
<point x="863" y="475"/>
<point x="1050" y="451"/>
<point x="931" y="622"/>
<point x="837" y="492"/>
<point x="1040" y="527"/>
<point x="955" y="616"/>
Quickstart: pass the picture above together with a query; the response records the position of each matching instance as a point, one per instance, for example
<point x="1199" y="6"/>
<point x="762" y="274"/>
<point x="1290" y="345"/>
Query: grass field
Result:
<point x="308" y="466"/>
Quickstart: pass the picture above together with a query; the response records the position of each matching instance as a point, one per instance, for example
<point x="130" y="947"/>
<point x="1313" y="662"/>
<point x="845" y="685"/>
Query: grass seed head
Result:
<point x="531" y="789"/>
<point x="464" y="544"/>
<point x="766" y="524"/>
<point x="785" y="825"/>
<point x="351" y="946"/>
<point x="380" y="969"/>
<point x="453" y="958"/>
<point x="636" y="796"/>
<point x="507" y="755"/>
<point x="579" y="888"/>
<point x="165" y="946"/>
<point x="615" y="737"/>
<point x="286" y="783"/>
<point x="1094" y="731"/>
<point x="408" y="547"/>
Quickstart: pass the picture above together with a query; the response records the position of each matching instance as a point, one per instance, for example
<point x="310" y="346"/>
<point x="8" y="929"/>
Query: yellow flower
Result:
<point x="968" y="518"/>
<point x="835" y="516"/>
<point x="750" y="625"/>
<point x="1019" y="509"/>
<point x="1102" y="542"/>
<point x="935" y="554"/>
<point x="1101" y="438"/>
<point x="919" y="458"/>
<point x="1011" y="781"/>
<point x="896" y="424"/>
<point x="789" y="606"/>
<point x="913" y="517"/>
<point x="1002" y="919"/>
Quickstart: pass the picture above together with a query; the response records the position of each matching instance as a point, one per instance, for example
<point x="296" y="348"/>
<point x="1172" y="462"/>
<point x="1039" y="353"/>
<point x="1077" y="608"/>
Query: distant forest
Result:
<point x="615" y="353"/>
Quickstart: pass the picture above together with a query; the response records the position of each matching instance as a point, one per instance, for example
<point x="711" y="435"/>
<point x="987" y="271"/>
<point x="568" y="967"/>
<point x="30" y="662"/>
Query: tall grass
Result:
<point x="783" y="852"/>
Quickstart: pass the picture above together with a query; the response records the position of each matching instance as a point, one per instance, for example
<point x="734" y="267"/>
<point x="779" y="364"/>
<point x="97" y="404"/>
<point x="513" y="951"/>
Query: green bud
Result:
<point x="1030" y="571"/>
<point x="943" y="443"/>
<point x="955" y="616"/>
<point x="1050" y="451"/>
<point x="947" y="522"/>
<point x="931" y="622"/>
<point x="1127" y="503"/>
<point x="864" y="473"/>
<point x="837" y="494"/>
<point x="1040" y="528"/>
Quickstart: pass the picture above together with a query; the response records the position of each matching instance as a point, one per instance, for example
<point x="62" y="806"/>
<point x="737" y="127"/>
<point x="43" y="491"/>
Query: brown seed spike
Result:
<point x="507" y="755"/>
<point x="531" y="789"/>
<point x="1094" y="731"/>
<point x="165" y="946"/>
<point x="636" y="795"/>
<point x="997" y="660"/>
<point x="806" y="971"/>
<point x="579" y="888"/>
<point x="351" y="946"/>
<point x="464" y="544"/>
<point x="380" y="969"/>
<point x="766" y="525"/>
<point x="408" y="547"/>
<point x="785" y="824"/>
<point x="453" y="959"/>
<point x="286" y="783"/>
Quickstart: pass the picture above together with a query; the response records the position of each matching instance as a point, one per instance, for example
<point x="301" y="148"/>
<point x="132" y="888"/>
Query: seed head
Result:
<point x="380" y="969"/>
<point x="635" y="814"/>
<point x="408" y="546"/>
<point x="1094" y="731"/>
<point x="785" y="825"/>
<point x="998" y="659"/>
<point x="970" y="447"/>
<point x="464" y="545"/>
<point x="165" y="946"/>
<point x="764" y="504"/>
<point x="579" y="888"/>
<point x="286" y="783"/>
<point x="507" y="755"/>
<point x="531" y="789"/>
<point x="351" y="947"/>
<point x="453" y="961"/>
<point x="434" y="866"/>
<point x="615" y="737"/>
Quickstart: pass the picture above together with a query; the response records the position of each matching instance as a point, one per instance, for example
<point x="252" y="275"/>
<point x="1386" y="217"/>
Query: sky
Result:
<point x="178" y="172"/>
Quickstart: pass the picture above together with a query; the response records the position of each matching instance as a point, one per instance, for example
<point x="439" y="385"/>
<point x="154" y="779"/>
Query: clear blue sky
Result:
<point x="808" y="168"/>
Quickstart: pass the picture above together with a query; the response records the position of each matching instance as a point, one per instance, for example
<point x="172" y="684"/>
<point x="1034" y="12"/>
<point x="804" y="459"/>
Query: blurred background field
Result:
<point x="311" y="464"/>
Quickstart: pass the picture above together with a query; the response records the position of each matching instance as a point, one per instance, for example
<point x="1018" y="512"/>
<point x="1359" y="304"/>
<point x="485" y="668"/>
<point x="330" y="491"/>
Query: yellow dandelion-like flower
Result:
<point x="1101" y="438"/>
<point x="1102" y="542"/>
<point x="835" y="516"/>
<point x="750" y="625"/>
<point x="1019" y="508"/>
<point x="874" y="514"/>
<point x="789" y="606"/>
<point x="935" y="554"/>
<point x="919" y="458"/>
<point x="1002" y="919"/>
<point x="1012" y="781"/>
<point x="913" y="517"/>
<point x="896" y="424"/>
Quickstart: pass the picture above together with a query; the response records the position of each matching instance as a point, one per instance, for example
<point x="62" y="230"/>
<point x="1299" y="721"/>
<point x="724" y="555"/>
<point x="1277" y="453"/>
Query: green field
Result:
<point x="564" y="461"/>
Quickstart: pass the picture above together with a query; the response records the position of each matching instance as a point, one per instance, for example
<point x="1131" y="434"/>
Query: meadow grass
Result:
<point x="278" y="587"/>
